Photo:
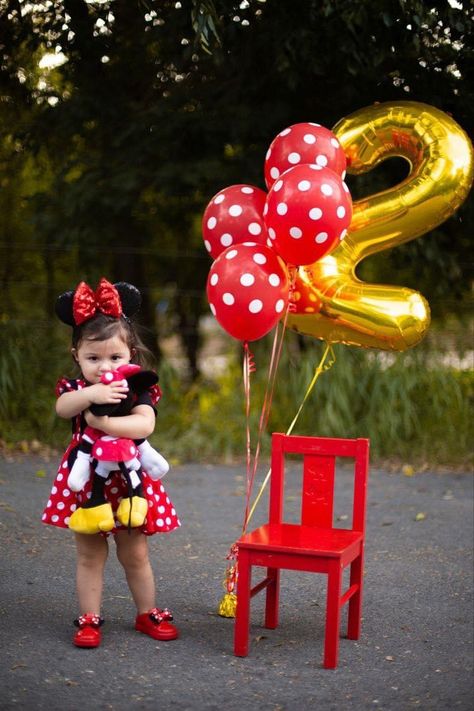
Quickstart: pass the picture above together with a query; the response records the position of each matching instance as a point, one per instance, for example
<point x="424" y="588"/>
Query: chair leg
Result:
<point x="272" y="598"/>
<point x="242" y="615"/>
<point x="355" y="603"/>
<point x="333" y="615"/>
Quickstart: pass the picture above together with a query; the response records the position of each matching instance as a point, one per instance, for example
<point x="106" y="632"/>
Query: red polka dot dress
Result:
<point x="62" y="502"/>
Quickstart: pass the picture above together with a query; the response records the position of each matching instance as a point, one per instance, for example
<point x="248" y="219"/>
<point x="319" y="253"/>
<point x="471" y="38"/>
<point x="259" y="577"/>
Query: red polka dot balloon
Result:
<point x="305" y="300"/>
<point x="307" y="213"/>
<point x="233" y="216"/>
<point x="304" y="143"/>
<point x="248" y="290"/>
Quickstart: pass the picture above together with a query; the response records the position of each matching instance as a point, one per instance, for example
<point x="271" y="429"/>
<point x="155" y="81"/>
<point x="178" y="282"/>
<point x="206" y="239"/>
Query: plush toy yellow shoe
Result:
<point x="93" y="520"/>
<point x="132" y="512"/>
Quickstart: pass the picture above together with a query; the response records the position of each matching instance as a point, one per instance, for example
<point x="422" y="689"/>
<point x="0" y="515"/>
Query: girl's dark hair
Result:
<point x="101" y="328"/>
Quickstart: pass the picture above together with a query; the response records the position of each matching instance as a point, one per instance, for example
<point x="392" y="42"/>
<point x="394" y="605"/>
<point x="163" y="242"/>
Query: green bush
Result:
<point x="412" y="406"/>
<point x="30" y="362"/>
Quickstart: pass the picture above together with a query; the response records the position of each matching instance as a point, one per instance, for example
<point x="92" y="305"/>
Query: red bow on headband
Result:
<point x="86" y="302"/>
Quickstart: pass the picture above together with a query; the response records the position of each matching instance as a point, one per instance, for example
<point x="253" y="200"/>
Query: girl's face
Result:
<point x="97" y="357"/>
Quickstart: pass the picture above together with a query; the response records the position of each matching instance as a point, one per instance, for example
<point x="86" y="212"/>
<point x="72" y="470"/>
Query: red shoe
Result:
<point x="157" y="624"/>
<point x="88" y="634"/>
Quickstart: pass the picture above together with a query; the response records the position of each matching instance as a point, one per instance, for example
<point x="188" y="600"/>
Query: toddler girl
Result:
<point x="103" y="339"/>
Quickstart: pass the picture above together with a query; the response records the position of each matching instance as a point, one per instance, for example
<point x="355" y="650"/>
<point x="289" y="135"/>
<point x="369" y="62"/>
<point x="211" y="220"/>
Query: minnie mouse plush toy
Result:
<point x="106" y="454"/>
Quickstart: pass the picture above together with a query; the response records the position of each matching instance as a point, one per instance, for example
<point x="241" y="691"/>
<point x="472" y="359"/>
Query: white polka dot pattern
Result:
<point x="307" y="212"/>
<point x="62" y="501"/>
<point x="233" y="216"/>
<point x="303" y="143"/>
<point x="249" y="292"/>
<point x="305" y="299"/>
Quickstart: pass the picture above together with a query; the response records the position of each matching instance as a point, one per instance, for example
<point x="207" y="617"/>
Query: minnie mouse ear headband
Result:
<point x="115" y="300"/>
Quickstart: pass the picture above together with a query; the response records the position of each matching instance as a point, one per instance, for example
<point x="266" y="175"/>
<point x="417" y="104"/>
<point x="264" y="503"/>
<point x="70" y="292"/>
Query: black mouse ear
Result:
<point x="130" y="298"/>
<point x="141" y="381"/>
<point x="63" y="308"/>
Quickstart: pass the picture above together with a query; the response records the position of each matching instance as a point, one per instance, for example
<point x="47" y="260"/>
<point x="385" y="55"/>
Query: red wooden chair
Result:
<point x="314" y="545"/>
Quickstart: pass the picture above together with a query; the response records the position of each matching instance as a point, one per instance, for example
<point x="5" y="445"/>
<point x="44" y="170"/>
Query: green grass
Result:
<point x="412" y="406"/>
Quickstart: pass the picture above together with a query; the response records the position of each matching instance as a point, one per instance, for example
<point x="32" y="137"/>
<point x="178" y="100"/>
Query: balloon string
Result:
<point x="273" y="366"/>
<point x="228" y="604"/>
<point x="277" y="346"/>
<point x="249" y="367"/>
<point x="251" y="467"/>
<point x="293" y="272"/>
<point x="321" y="368"/>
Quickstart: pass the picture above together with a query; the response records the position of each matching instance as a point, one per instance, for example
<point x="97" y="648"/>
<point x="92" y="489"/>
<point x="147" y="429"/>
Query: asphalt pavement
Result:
<point x="416" y="648"/>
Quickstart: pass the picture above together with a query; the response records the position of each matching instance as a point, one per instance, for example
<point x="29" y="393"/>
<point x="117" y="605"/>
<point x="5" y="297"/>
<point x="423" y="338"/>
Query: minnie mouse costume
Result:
<point x="159" y="516"/>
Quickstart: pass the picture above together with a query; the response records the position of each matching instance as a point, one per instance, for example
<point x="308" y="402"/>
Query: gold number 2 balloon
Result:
<point x="331" y="302"/>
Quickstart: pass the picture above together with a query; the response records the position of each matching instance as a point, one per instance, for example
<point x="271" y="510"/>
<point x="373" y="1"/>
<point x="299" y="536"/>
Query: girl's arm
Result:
<point x="138" y="425"/>
<point x="71" y="403"/>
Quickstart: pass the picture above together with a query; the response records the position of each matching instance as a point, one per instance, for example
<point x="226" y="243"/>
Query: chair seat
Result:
<point x="294" y="538"/>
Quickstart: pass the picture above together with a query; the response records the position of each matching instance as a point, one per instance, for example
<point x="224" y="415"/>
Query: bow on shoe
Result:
<point x="90" y="620"/>
<point x="87" y="302"/>
<point x="158" y="616"/>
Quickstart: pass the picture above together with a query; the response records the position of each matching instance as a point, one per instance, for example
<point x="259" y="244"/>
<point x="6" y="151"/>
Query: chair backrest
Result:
<point x="319" y="466"/>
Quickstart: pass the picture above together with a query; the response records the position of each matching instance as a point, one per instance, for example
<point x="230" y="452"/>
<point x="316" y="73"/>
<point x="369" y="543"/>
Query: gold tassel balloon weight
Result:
<point x="228" y="604"/>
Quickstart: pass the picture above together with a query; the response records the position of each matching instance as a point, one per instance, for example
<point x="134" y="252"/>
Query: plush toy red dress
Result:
<point x="161" y="516"/>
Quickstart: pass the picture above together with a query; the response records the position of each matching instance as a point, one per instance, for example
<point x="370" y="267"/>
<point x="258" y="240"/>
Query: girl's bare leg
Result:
<point x="92" y="553"/>
<point x="132" y="552"/>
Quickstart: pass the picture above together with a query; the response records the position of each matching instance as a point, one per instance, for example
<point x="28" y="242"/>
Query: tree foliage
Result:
<point x="109" y="155"/>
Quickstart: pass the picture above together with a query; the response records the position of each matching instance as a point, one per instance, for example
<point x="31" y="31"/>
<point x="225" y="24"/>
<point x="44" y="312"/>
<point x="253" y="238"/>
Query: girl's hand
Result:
<point x="110" y="394"/>
<point x="70" y="404"/>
